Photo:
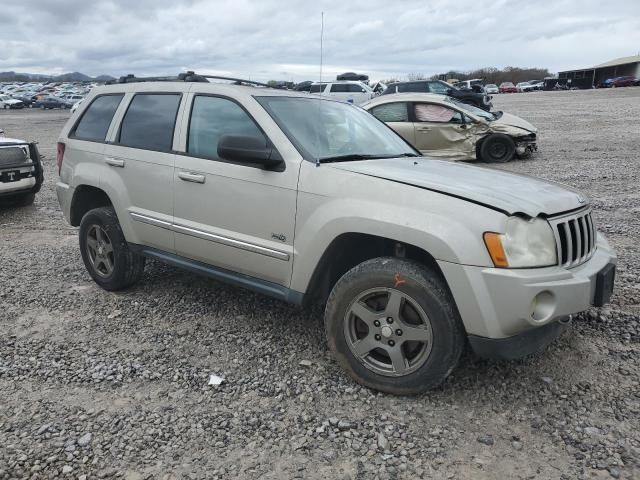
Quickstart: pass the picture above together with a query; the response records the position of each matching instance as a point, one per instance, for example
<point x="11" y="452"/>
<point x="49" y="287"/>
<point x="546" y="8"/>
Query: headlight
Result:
<point x="525" y="243"/>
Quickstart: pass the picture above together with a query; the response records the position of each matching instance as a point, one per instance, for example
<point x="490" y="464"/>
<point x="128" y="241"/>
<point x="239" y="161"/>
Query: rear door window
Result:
<point x="340" y="88"/>
<point x="149" y="121"/>
<point x="95" y="120"/>
<point x="428" y="112"/>
<point x="213" y="117"/>
<point x="354" y="88"/>
<point x="391" y="112"/>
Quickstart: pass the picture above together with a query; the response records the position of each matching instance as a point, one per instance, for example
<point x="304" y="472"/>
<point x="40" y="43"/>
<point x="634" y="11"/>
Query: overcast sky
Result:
<point x="280" y="39"/>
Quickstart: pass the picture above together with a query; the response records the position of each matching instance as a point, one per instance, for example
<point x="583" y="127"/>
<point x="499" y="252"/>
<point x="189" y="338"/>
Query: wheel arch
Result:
<point x="352" y="248"/>
<point x="85" y="198"/>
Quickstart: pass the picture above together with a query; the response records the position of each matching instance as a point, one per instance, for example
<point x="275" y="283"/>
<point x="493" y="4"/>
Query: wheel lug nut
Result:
<point x="376" y="323"/>
<point x="389" y="319"/>
<point x="391" y="343"/>
<point x="399" y="332"/>
<point x="378" y="337"/>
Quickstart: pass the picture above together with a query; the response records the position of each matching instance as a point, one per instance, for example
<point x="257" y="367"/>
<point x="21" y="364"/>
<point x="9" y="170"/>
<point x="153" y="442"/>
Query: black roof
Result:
<point x="352" y="76"/>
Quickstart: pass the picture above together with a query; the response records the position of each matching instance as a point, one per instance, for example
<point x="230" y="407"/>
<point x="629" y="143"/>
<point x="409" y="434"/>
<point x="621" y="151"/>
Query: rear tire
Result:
<point x="105" y="251"/>
<point x="497" y="148"/>
<point x="393" y="326"/>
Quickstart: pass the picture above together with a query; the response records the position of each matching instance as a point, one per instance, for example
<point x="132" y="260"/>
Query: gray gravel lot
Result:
<point x="114" y="385"/>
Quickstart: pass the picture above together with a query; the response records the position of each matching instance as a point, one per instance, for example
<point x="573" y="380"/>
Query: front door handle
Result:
<point x="114" y="162"/>
<point x="191" y="177"/>
<point x="424" y="129"/>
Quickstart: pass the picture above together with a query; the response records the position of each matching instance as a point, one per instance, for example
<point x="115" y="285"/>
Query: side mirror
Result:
<point x="249" y="149"/>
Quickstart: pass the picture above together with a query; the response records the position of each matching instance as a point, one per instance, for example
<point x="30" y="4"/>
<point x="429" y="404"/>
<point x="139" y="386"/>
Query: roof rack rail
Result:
<point x="237" y="81"/>
<point x="189" y="76"/>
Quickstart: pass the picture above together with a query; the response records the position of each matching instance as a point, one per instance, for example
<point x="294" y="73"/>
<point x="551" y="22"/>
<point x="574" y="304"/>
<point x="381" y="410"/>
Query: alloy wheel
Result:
<point x="100" y="251"/>
<point x="388" y="331"/>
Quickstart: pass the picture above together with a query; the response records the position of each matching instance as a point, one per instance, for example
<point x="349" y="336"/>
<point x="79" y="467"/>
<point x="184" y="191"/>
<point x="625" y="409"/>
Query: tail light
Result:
<point x="60" y="155"/>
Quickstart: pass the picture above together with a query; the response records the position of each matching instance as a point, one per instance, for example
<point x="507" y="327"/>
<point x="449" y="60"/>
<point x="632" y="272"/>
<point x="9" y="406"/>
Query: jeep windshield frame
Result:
<point x="324" y="130"/>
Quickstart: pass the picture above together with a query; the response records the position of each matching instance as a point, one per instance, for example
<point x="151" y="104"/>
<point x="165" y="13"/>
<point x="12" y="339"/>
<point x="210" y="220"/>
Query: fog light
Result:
<point x="542" y="307"/>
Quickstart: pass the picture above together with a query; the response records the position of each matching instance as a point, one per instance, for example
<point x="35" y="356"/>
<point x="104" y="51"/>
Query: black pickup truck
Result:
<point x="21" y="172"/>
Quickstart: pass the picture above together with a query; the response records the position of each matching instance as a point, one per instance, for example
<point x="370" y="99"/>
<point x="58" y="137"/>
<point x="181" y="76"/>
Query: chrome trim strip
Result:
<point x="231" y="242"/>
<point x="150" y="220"/>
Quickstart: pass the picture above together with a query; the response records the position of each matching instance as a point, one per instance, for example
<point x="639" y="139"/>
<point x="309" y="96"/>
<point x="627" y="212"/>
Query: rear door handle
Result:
<point x="114" y="162"/>
<point x="424" y="129"/>
<point x="191" y="177"/>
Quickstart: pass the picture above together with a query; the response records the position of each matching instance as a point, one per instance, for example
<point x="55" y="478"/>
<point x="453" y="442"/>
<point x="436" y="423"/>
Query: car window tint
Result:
<point x="427" y="112"/>
<point x="391" y="112"/>
<point x="317" y="88"/>
<point x="437" y="87"/>
<point x="96" y="119"/>
<point x="149" y="121"/>
<point x="355" y="88"/>
<point x="339" y="88"/>
<point x="212" y="117"/>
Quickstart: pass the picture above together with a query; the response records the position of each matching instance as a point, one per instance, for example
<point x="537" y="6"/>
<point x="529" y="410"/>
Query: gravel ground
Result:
<point x="114" y="385"/>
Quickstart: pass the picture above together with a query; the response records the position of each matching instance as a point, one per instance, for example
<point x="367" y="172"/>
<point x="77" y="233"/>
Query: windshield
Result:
<point x="327" y="130"/>
<point x="478" y="112"/>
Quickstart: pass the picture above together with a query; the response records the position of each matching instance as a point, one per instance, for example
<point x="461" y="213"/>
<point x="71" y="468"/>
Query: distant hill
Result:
<point x="73" y="77"/>
<point x="65" y="77"/>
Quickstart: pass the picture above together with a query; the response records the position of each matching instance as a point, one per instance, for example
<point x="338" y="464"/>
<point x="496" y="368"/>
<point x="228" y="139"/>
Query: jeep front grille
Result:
<point x="575" y="238"/>
<point x="12" y="156"/>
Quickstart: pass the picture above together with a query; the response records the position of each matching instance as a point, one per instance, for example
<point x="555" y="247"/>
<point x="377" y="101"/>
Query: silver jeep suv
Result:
<point x="306" y="198"/>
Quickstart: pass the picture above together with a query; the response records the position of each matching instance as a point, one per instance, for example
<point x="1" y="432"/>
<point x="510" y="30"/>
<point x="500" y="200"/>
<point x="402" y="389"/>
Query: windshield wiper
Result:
<point x="361" y="156"/>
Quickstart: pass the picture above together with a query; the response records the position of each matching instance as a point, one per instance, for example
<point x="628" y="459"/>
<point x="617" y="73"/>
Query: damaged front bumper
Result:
<point x="527" y="148"/>
<point x="526" y="145"/>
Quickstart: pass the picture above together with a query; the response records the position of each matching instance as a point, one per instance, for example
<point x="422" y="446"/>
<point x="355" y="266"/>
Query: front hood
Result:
<point x="513" y="121"/>
<point x="508" y="192"/>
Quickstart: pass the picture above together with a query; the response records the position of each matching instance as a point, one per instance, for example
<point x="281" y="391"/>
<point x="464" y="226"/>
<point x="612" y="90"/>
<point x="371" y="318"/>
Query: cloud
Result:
<point x="271" y="39"/>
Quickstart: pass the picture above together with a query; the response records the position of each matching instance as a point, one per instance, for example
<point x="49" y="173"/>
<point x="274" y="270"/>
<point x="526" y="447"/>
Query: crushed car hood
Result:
<point x="513" y="121"/>
<point x="508" y="192"/>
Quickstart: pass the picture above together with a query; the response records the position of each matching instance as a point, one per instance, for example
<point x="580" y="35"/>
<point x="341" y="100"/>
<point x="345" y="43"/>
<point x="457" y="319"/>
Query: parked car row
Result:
<point x="358" y="92"/>
<point x="624" y="81"/>
<point x="31" y="94"/>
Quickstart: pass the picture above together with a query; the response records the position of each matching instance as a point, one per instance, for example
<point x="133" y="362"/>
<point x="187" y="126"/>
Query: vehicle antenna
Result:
<point x="320" y="100"/>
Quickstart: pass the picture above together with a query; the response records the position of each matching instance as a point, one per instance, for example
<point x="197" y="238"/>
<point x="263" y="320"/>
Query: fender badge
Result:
<point x="279" y="236"/>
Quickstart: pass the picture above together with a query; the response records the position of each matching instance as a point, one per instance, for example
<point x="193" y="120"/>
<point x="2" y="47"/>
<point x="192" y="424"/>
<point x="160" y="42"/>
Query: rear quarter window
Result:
<point x="95" y="121"/>
<point x="149" y="121"/>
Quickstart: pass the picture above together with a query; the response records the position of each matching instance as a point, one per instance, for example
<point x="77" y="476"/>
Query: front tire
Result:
<point x="105" y="251"/>
<point x="393" y="326"/>
<point x="497" y="148"/>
